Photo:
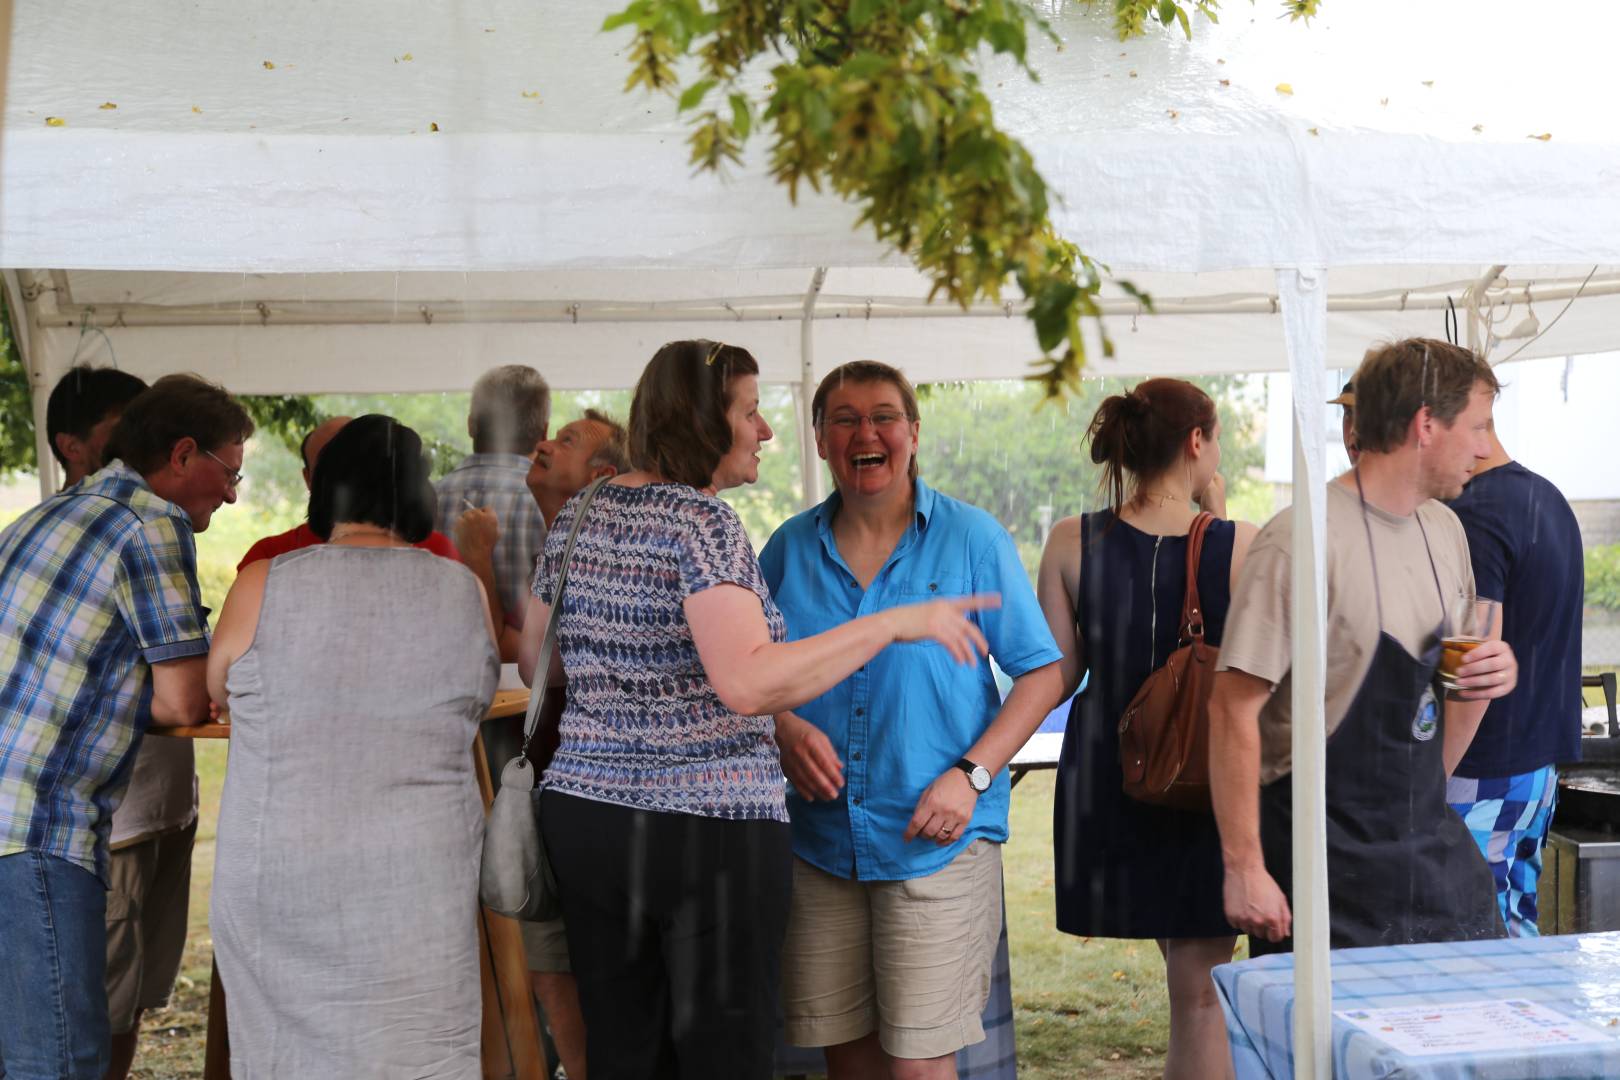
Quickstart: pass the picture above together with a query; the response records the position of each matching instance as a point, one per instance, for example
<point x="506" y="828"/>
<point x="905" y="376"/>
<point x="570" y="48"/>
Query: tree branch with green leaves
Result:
<point x="880" y="103"/>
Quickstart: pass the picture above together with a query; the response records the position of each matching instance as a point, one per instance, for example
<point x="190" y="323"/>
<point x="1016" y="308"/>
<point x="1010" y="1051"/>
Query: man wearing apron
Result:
<point x="1402" y="868"/>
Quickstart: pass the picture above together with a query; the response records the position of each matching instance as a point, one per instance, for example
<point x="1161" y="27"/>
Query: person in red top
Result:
<point x="301" y="536"/>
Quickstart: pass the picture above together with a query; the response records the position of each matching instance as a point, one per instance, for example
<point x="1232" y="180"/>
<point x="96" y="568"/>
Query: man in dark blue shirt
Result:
<point x="1526" y="548"/>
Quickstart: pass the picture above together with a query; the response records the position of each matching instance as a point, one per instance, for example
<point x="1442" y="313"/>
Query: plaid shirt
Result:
<point x="497" y="481"/>
<point x="96" y="584"/>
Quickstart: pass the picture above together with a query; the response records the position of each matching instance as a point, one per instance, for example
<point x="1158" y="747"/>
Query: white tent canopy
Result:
<point x="301" y="227"/>
<point x="269" y="203"/>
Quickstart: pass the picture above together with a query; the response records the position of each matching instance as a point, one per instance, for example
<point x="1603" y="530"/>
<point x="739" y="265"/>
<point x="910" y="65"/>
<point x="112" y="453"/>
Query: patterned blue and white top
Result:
<point x="643" y="727"/>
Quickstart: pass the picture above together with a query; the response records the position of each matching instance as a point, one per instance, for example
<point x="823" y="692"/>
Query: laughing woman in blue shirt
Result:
<point x="899" y="807"/>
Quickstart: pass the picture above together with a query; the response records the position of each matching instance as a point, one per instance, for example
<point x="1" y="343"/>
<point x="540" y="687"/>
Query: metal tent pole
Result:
<point x="1304" y="309"/>
<point x="809" y="461"/>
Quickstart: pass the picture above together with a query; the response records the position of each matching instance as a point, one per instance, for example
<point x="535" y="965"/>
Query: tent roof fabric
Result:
<point x="326" y="161"/>
<point x="267" y="203"/>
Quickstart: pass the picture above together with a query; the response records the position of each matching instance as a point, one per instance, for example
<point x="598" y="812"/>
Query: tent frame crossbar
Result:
<point x="757" y="309"/>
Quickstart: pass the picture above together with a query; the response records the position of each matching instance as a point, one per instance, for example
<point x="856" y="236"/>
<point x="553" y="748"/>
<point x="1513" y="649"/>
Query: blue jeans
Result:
<point x="53" y="970"/>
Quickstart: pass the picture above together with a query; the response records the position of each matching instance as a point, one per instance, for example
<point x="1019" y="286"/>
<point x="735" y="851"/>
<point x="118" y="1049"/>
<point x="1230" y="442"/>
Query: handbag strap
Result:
<point x="542" y="668"/>
<point x="1192" y="618"/>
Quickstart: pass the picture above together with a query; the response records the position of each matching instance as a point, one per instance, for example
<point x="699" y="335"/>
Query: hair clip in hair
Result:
<point x="713" y="353"/>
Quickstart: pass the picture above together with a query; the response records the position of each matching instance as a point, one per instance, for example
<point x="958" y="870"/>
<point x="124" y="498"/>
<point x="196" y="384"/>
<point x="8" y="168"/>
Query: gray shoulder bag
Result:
<point x="515" y="877"/>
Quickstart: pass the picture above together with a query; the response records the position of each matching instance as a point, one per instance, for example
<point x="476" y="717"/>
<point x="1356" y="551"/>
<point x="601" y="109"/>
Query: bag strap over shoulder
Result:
<point x="542" y="665"/>
<point x="1192" y="615"/>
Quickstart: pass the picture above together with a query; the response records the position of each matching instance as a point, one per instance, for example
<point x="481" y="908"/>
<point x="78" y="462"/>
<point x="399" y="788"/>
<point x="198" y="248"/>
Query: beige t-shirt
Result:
<point x="162" y="792"/>
<point x="1258" y="638"/>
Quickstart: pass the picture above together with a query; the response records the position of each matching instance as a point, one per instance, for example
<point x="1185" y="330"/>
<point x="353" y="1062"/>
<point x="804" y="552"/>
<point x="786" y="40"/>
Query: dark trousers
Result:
<point x="675" y="926"/>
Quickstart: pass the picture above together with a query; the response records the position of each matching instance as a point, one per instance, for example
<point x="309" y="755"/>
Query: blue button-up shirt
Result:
<point x="912" y="712"/>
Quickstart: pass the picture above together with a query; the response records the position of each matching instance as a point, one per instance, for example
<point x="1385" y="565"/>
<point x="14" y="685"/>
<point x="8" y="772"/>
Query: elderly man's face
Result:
<point x="563" y="465"/>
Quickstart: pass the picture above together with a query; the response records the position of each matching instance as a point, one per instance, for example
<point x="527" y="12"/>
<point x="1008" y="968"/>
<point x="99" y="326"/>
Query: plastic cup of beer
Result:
<point x="1471" y="620"/>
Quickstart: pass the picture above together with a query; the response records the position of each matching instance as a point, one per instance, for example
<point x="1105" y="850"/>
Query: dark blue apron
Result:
<point x="1402" y="867"/>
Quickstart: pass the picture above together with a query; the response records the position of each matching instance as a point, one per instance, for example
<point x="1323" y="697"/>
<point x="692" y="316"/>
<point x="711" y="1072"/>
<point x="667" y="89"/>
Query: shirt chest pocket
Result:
<point x="917" y="588"/>
<point x="813" y="604"/>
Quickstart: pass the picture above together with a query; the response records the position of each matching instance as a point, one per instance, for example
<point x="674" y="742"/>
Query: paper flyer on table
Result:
<point x="1473" y="1027"/>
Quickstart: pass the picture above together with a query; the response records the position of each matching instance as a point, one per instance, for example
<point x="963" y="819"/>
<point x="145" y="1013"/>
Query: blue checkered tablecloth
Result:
<point x="996" y="1058"/>
<point x="1577" y="975"/>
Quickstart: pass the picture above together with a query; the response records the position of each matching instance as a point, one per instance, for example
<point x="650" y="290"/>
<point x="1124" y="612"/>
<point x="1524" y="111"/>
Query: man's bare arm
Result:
<point x="1254" y="903"/>
<point x="180" y="691"/>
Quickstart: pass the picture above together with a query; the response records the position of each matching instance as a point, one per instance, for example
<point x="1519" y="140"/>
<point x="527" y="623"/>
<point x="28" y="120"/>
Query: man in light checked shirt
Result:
<point x="101" y="624"/>
<point x="509" y="417"/>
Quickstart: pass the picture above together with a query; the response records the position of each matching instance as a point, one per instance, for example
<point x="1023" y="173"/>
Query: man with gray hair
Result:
<point x="509" y="416"/>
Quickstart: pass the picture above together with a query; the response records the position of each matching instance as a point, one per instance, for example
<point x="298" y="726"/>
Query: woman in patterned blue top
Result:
<point x="1112" y="583"/>
<point x="663" y="807"/>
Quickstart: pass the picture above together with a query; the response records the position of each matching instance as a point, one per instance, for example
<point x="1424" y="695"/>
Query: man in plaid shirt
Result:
<point x="509" y="417"/>
<point x="101" y="622"/>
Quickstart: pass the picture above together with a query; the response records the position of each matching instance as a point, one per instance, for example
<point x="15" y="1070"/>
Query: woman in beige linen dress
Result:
<point x="345" y="885"/>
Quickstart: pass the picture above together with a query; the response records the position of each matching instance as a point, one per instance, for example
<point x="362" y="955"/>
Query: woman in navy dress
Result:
<point x="1112" y="585"/>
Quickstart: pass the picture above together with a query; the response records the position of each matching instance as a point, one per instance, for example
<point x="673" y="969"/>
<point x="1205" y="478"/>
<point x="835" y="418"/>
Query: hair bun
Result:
<point x="1107" y="430"/>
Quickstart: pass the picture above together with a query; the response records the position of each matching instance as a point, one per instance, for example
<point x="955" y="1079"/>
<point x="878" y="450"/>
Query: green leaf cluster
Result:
<point x="17" y="452"/>
<point x="880" y="102"/>
<point x="285" y="417"/>
<point x="1131" y="17"/>
<point x="1603" y="577"/>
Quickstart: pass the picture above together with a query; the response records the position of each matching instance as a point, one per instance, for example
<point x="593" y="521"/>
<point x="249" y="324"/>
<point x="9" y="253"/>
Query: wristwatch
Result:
<point x="978" y="776"/>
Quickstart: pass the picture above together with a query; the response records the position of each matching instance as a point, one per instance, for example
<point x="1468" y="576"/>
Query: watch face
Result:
<point x="979" y="778"/>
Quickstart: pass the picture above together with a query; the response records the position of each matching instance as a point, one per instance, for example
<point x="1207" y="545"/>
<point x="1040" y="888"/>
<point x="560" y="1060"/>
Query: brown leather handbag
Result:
<point x="1164" y="732"/>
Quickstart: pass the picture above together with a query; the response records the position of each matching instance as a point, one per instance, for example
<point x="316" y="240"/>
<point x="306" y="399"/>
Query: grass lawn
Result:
<point x="1086" y="1007"/>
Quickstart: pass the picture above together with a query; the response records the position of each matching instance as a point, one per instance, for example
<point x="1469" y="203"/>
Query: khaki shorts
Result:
<point x="545" y="946"/>
<point x="148" y="897"/>
<point x="910" y="960"/>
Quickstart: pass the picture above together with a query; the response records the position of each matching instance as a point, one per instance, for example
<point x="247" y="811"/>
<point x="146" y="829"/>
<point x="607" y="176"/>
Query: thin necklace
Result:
<point x="1162" y="496"/>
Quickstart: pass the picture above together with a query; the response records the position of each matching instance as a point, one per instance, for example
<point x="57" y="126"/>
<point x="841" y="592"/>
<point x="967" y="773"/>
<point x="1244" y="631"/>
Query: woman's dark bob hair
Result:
<point x="373" y="472"/>
<point x="678" y="424"/>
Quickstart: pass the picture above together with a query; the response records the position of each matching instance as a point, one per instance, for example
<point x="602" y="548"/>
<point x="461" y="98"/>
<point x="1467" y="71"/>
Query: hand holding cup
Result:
<point x="1472" y="664"/>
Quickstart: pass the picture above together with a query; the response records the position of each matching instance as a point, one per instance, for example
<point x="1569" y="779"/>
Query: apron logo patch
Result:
<point x="1427" y="719"/>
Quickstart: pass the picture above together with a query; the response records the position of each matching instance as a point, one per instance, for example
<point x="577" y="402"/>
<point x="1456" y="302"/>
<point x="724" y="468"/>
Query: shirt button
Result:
<point x="933" y="586"/>
<point x="857" y="755"/>
<point x="857" y="800"/>
<point x="860" y="712"/>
